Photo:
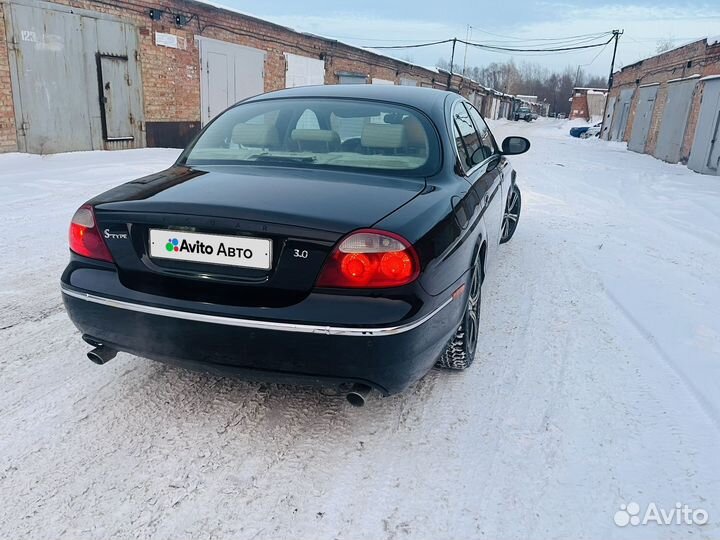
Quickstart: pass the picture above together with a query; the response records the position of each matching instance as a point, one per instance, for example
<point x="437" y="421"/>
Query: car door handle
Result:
<point x="486" y="199"/>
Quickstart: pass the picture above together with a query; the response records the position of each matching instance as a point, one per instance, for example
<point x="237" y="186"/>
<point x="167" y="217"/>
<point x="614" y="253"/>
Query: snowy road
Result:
<point x="597" y="383"/>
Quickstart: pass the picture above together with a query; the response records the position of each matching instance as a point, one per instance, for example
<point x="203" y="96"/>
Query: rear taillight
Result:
<point x="370" y="259"/>
<point x="85" y="237"/>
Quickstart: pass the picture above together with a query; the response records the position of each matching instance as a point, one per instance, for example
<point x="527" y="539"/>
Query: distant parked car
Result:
<point x="594" y="131"/>
<point x="524" y="113"/>
<point x="562" y="116"/>
<point x="579" y="130"/>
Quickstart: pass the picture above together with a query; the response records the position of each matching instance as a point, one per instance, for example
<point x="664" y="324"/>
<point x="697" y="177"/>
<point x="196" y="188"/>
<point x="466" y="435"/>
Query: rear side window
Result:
<point x="321" y="133"/>
<point x="486" y="139"/>
<point x="466" y="138"/>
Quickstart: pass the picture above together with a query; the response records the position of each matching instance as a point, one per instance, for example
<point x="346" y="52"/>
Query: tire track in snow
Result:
<point x="712" y="413"/>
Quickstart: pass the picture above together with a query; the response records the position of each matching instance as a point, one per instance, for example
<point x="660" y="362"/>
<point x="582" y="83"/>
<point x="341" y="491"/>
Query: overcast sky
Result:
<point x="383" y="22"/>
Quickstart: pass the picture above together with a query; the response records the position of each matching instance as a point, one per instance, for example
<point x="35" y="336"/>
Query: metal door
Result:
<point x="218" y="89"/>
<point x="56" y="73"/>
<point x="607" y="120"/>
<point x="705" y="153"/>
<point x="622" y="111"/>
<point x="351" y="78"/>
<point x="51" y="110"/>
<point x="643" y="116"/>
<point x="713" y="162"/>
<point x="303" y="71"/>
<point x="114" y="79"/>
<point x="230" y="73"/>
<point x="116" y="82"/>
<point x="674" y="120"/>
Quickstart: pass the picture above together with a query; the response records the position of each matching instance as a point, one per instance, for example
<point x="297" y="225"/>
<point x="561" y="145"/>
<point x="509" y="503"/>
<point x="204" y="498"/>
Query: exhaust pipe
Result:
<point x="358" y="394"/>
<point x="101" y="355"/>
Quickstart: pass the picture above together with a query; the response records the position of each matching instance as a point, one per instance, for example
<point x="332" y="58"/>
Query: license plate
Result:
<point x="239" y="251"/>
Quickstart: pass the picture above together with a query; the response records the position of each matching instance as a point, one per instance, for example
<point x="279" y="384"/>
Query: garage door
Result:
<point x="75" y="79"/>
<point x="622" y="111"/>
<point x="674" y="120"/>
<point x="643" y="116"/>
<point x="230" y="73"/>
<point x="303" y="71"/>
<point x="607" y="120"/>
<point x="351" y="78"/>
<point x="404" y="81"/>
<point x="705" y="155"/>
<point x="382" y="81"/>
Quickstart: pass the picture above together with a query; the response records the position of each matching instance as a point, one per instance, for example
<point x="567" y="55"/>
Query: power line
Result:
<point x="485" y="46"/>
<point x="555" y="49"/>
<point x="515" y="38"/>
<point x="544" y="41"/>
<point x="556" y="43"/>
<point x="597" y="55"/>
<point x="413" y="46"/>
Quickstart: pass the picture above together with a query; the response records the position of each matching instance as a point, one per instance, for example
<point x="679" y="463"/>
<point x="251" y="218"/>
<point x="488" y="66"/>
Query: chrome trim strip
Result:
<point x="251" y="323"/>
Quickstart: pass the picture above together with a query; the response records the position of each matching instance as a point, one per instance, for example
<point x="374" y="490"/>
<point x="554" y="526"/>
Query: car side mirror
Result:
<point x="513" y="146"/>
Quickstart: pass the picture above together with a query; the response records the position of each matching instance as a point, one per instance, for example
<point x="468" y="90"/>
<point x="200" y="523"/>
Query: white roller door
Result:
<point x="303" y="71"/>
<point x="381" y="81"/>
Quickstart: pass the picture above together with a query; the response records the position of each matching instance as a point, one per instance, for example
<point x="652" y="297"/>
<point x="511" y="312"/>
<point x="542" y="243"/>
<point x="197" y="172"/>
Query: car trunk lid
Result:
<point x="298" y="215"/>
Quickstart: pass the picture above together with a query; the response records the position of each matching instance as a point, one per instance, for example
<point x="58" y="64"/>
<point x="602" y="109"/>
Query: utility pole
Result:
<point x="616" y="35"/>
<point x="452" y="61"/>
<point x="468" y="35"/>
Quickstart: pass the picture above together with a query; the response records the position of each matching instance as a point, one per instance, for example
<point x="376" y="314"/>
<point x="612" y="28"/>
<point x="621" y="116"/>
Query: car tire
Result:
<point x="511" y="217"/>
<point x="459" y="353"/>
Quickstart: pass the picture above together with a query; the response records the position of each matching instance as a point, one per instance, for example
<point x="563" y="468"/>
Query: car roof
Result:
<point x="414" y="96"/>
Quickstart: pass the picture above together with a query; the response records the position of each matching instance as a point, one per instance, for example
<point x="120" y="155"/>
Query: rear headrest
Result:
<point x="315" y="135"/>
<point x="415" y="132"/>
<point x="256" y="135"/>
<point x="383" y="136"/>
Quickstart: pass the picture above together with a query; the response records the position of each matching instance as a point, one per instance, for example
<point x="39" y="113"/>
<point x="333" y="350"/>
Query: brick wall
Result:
<point x="579" y="106"/>
<point x="8" y="133"/>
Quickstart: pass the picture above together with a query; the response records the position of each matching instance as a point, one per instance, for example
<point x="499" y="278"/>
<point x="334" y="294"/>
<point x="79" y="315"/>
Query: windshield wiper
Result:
<point x="283" y="159"/>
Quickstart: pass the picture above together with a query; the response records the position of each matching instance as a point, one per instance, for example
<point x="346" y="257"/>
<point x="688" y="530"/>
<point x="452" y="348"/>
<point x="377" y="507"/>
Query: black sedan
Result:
<point x="336" y="235"/>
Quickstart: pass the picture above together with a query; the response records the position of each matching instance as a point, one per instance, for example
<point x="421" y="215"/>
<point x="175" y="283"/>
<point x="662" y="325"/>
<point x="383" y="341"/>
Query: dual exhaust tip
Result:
<point x="356" y="396"/>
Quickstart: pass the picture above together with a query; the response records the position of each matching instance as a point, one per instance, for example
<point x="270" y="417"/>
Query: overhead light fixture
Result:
<point x="181" y="20"/>
<point x="156" y="14"/>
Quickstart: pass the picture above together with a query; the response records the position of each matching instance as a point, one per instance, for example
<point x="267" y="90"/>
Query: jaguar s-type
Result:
<point x="338" y="235"/>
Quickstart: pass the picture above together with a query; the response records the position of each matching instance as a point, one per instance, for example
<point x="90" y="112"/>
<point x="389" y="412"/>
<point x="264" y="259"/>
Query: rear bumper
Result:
<point x="388" y="357"/>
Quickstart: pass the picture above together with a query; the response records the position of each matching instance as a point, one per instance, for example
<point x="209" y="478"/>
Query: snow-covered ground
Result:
<point x="597" y="383"/>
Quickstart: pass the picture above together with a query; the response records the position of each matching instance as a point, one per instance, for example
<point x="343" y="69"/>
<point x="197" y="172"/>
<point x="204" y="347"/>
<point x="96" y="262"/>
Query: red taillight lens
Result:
<point x="370" y="259"/>
<point x="85" y="237"/>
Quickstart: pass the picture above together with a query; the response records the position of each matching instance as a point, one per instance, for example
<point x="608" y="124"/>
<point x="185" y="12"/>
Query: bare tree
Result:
<point x="665" y="44"/>
<point x="531" y="79"/>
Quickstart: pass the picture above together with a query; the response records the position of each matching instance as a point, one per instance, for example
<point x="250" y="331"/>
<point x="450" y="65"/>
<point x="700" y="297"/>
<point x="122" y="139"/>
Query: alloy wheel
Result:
<point x="472" y="311"/>
<point x="511" y="216"/>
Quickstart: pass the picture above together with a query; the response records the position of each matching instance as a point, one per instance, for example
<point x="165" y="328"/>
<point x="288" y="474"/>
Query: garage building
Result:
<point x="100" y="74"/>
<point x="669" y="106"/>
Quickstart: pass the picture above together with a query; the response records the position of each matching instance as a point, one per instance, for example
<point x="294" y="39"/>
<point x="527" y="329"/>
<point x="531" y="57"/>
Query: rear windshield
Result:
<point x="320" y="133"/>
